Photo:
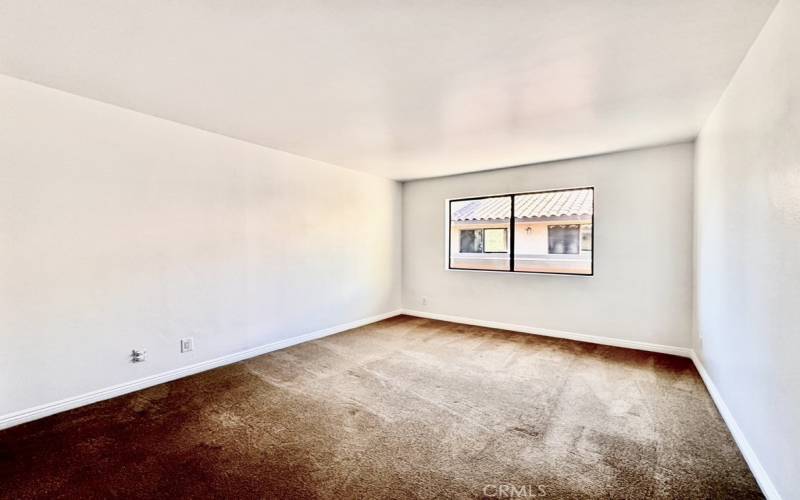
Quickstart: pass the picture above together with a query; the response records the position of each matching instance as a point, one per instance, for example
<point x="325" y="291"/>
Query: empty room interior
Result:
<point x="400" y="249"/>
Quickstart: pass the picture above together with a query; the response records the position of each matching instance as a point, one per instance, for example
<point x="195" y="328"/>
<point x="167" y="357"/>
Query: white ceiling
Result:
<point x="404" y="89"/>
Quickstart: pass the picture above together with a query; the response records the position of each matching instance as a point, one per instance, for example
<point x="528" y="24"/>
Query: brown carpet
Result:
<point x="404" y="408"/>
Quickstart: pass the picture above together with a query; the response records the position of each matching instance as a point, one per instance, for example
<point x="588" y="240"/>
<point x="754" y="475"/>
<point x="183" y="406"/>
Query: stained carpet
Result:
<point x="404" y="408"/>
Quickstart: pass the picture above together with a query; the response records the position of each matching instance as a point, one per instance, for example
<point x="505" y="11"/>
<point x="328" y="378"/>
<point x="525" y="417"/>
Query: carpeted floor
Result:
<point x="404" y="408"/>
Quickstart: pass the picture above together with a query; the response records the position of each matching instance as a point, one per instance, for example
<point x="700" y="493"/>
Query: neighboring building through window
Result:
<point x="480" y="232"/>
<point x="551" y="232"/>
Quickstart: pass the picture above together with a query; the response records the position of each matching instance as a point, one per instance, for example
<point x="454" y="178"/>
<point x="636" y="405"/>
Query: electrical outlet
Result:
<point x="424" y="301"/>
<point x="138" y="355"/>
<point x="187" y="344"/>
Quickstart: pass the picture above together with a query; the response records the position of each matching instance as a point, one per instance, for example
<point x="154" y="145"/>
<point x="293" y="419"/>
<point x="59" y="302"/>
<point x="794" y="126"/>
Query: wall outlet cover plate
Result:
<point x="187" y="344"/>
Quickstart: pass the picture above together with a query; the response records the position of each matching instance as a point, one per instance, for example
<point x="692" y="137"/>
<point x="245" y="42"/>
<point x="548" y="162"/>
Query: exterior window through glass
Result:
<point x="586" y="238"/>
<point x="495" y="240"/>
<point x="471" y="241"/>
<point x="563" y="239"/>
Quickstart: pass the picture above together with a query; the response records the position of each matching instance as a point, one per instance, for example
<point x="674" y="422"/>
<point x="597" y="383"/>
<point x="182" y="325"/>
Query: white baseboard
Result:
<point x="19" y="417"/>
<point x="766" y="484"/>
<point x="594" y="339"/>
<point x="27" y="415"/>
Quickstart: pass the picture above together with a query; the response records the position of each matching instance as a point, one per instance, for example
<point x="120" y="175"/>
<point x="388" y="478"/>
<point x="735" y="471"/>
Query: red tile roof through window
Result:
<point x="549" y="204"/>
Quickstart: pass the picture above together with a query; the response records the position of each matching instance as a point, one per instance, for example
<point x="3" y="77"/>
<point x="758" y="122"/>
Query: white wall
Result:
<point x="642" y="287"/>
<point x="119" y="230"/>
<point x="748" y="247"/>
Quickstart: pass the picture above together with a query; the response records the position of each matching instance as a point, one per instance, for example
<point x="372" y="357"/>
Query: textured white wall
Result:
<point x="642" y="288"/>
<point x="119" y="231"/>
<point x="748" y="247"/>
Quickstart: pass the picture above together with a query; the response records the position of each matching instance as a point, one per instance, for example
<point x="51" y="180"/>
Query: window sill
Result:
<point x="520" y="273"/>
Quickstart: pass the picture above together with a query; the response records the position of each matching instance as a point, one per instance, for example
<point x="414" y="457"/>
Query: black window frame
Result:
<point x="512" y="231"/>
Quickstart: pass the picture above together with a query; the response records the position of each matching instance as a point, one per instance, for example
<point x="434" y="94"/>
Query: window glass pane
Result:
<point x="553" y="231"/>
<point x="479" y="233"/>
